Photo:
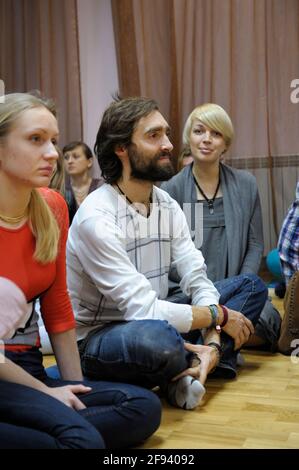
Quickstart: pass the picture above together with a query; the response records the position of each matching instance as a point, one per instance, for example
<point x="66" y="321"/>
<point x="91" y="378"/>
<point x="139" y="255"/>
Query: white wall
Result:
<point x="97" y="62"/>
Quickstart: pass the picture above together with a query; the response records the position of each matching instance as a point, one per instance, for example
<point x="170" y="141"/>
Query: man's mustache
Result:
<point x="164" y="154"/>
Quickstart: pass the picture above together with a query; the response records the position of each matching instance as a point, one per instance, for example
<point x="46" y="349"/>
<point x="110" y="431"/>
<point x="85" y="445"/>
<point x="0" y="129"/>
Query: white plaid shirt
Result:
<point x="288" y="244"/>
<point x="118" y="262"/>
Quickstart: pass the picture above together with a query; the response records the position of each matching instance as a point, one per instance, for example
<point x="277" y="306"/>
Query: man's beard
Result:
<point x="149" y="170"/>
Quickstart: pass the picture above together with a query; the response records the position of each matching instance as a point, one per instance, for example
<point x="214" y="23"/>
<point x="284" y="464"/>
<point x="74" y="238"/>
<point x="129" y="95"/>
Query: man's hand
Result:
<point x="206" y="359"/>
<point x="238" y="327"/>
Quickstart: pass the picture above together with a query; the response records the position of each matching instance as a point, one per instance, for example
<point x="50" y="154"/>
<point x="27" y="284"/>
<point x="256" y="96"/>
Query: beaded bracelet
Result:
<point x="216" y="346"/>
<point x="214" y="314"/>
<point x="218" y="349"/>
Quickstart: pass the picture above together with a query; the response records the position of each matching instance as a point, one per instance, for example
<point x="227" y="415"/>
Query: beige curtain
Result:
<point x="241" y="54"/>
<point x="39" y="50"/>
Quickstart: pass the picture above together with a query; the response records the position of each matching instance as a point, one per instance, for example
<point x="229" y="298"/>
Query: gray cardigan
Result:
<point x="242" y="213"/>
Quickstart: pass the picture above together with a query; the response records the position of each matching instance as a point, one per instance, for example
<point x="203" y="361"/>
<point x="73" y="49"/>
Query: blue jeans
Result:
<point x="120" y="415"/>
<point x="245" y="293"/>
<point x="151" y="352"/>
<point x="31" y="419"/>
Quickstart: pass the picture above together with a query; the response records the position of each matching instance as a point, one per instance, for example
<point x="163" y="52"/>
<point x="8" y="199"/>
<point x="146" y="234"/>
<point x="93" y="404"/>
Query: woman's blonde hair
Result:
<point x="213" y="116"/>
<point x="43" y="223"/>
<point x="58" y="178"/>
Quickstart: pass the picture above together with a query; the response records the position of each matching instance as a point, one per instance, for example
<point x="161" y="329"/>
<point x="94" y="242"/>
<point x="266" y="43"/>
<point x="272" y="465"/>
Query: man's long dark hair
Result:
<point x="116" y="129"/>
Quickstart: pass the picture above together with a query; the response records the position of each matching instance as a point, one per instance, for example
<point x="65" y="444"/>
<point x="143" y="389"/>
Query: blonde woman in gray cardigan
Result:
<point x="232" y="241"/>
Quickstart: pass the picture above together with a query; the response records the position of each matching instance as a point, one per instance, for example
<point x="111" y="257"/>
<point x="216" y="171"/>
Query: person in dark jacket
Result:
<point x="78" y="161"/>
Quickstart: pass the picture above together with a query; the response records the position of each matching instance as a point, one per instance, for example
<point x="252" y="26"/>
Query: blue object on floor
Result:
<point x="273" y="264"/>
<point x="53" y="372"/>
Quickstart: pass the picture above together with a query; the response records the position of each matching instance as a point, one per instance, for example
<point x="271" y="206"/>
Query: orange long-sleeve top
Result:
<point x="46" y="281"/>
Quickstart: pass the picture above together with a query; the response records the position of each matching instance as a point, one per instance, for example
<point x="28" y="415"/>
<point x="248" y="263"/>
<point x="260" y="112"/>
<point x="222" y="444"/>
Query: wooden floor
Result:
<point x="258" y="410"/>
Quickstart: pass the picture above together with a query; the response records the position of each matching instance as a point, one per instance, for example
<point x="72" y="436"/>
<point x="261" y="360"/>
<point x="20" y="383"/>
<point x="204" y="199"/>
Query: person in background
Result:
<point x="185" y="158"/>
<point x="288" y="248"/>
<point x="78" y="161"/>
<point x="33" y="231"/>
<point x="232" y="242"/>
<point x="288" y="243"/>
